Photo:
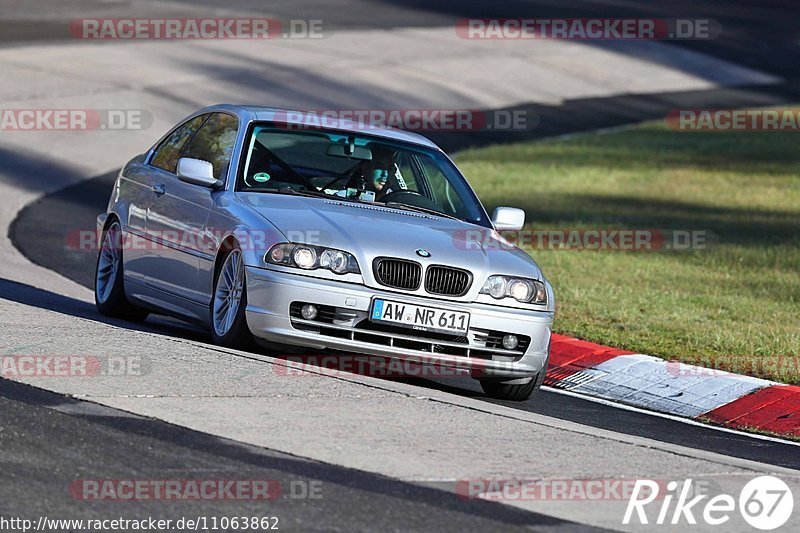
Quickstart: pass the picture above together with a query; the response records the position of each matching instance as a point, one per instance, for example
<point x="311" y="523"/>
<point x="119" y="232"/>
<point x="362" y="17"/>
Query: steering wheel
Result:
<point x="414" y="198"/>
<point x="392" y="196"/>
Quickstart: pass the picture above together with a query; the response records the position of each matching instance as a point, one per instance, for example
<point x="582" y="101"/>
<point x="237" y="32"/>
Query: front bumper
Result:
<point x="271" y="293"/>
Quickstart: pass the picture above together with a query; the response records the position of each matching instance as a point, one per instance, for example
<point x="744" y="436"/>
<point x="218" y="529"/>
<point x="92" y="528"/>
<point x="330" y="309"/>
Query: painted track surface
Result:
<point x="683" y="390"/>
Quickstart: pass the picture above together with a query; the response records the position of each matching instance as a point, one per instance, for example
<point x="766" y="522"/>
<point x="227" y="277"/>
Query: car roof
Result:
<point x="312" y="118"/>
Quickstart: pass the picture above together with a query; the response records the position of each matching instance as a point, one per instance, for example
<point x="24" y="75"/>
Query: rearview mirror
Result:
<point x="197" y="172"/>
<point x="508" y="219"/>
<point x="343" y="150"/>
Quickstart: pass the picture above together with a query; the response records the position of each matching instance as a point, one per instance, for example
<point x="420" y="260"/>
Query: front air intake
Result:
<point x="447" y="281"/>
<point x="398" y="273"/>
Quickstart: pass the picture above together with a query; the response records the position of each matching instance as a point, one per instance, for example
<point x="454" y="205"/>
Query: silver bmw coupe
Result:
<point x="275" y="226"/>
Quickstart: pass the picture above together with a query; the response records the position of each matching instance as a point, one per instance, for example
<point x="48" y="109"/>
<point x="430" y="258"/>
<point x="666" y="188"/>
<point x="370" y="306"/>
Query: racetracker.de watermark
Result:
<point x="733" y="120"/>
<point x="90" y="240"/>
<point x="174" y="29"/>
<point x="463" y="120"/>
<point x="379" y="366"/>
<point x="587" y="29"/>
<point x="586" y="239"/>
<point x="579" y="490"/>
<point x="137" y="490"/>
<point x="724" y="365"/>
<point x="74" y="119"/>
<point x="71" y="366"/>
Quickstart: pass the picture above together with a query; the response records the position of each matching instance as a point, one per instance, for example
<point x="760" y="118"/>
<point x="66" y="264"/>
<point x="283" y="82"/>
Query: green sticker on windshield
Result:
<point x="261" y="177"/>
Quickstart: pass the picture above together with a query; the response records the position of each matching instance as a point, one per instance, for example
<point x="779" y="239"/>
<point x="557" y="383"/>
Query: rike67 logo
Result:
<point x="765" y="503"/>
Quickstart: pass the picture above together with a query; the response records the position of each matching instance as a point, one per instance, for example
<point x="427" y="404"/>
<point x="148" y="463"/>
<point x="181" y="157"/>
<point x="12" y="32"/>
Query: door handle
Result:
<point x="159" y="189"/>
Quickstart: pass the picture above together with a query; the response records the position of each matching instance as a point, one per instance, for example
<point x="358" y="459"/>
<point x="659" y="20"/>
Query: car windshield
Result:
<point x="357" y="168"/>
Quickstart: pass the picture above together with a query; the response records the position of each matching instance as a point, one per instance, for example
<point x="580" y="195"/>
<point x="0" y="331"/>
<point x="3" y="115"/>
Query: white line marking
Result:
<point x="689" y="421"/>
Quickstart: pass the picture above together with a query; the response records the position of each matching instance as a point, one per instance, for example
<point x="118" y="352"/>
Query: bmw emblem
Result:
<point x="423" y="253"/>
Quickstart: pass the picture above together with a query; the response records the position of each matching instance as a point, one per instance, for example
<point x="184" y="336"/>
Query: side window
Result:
<point x="214" y="142"/>
<point x="169" y="151"/>
<point x="406" y="172"/>
<point x="440" y="186"/>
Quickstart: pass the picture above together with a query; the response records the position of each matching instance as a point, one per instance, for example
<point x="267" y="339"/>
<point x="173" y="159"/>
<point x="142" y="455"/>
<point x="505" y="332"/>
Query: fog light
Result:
<point x="309" y="312"/>
<point x="510" y="342"/>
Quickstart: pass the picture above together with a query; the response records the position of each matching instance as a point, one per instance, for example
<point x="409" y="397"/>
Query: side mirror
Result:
<point x="508" y="218"/>
<point x="197" y="172"/>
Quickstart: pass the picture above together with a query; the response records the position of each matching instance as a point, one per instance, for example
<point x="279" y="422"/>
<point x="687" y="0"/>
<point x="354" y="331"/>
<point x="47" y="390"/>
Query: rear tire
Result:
<point x="109" y="282"/>
<point x="228" y="322"/>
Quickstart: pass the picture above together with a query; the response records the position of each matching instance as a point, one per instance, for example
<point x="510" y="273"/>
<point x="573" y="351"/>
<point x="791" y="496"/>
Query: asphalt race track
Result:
<point x="78" y="205"/>
<point x="385" y="454"/>
<point x="120" y="444"/>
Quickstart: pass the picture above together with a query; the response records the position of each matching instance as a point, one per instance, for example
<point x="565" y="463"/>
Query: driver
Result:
<point x="380" y="173"/>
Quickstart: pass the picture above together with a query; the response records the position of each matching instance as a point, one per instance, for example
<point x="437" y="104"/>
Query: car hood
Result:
<point x="369" y="231"/>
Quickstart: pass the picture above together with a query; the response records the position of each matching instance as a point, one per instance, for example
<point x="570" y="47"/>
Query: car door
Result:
<point x="140" y="187"/>
<point x="177" y="217"/>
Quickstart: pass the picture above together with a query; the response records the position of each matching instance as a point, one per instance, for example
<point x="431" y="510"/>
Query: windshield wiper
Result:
<point x="310" y="194"/>
<point x="315" y="194"/>
<point x="290" y="192"/>
<point x="419" y="209"/>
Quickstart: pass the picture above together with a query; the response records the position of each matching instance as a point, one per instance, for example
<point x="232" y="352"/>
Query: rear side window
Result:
<point x="214" y="142"/>
<point x="169" y="151"/>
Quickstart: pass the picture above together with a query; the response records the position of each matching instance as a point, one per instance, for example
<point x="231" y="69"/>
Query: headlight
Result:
<point x="304" y="257"/>
<point x="310" y="257"/>
<point x="496" y="287"/>
<point x="334" y="260"/>
<point x="521" y="289"/>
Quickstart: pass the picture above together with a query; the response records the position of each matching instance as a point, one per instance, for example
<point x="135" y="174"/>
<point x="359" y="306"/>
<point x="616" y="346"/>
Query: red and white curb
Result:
<point x="647" y="382"/>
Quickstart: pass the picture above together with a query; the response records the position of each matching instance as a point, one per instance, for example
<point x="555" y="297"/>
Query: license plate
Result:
<point x="420" y="318"/>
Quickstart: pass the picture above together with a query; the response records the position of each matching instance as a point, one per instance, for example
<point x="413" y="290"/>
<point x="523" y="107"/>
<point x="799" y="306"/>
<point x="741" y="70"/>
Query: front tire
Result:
<point x="516" y="393"/>
<point x="507" y="391"/>
<point x="109" y="283"/>
<point x="228" y="321"/>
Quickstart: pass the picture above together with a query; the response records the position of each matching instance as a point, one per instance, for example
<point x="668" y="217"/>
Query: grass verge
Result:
<point x="733" y="305"/>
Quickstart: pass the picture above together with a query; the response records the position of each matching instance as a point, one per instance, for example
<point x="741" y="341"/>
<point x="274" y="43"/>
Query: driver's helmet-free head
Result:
<point x="378" y="170"/>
